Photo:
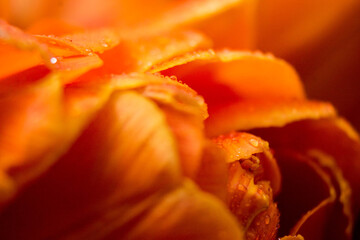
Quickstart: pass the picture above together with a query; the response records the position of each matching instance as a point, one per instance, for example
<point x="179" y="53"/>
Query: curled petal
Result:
<point x="332" y="136"/>
<point x="234" y="75"/>
<point x="245" y="115"/>
<point x="248" y="200"/>
<point x="303" y="199"/>
<point x="254" y="154"/>
<point x="241" y="145"/>
<point x="343" y="209"/>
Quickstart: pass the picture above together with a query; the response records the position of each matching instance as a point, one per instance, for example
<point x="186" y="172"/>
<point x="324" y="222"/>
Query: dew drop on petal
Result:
<point x="53" y="60"/>
<point x="254" y="142"/>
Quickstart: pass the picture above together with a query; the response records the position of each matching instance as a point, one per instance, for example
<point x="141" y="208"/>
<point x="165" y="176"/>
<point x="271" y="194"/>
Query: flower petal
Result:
<point x="184" y="110"/>
<point x="245" y="115"/>
<point x="20" y="51"/>
<point x="212" y="176"/>
<point x="190" y="214"/>
<point x="328" y="136"/>
<point x="143" y="53"/>
<point x="31" y="127"/>
<point x="234" y="75"/>
<point x="100" y="171"/>
<point x="254" y="154"/>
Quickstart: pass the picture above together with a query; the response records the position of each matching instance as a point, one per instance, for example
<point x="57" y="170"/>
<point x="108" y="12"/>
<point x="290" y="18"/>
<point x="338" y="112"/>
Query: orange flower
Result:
<point x="128" y="122"/>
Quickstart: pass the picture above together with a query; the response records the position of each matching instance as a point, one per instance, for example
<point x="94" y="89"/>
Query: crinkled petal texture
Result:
<point x="122" y="174"/>
<point x="252" y="174"/>
<point x="232" y="107"/>
<point x="96" y="142"/>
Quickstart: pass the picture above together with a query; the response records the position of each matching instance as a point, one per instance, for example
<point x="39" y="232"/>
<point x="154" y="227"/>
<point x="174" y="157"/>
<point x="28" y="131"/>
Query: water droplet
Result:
<point x="105" y="45"/>
<point x="254" y="142"/>
<point x="53" y="60"/>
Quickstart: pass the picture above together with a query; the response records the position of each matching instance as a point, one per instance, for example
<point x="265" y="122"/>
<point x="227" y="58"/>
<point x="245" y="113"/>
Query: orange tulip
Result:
<point x="128" y="122"/>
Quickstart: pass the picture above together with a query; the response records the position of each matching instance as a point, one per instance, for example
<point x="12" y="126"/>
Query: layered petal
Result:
<point x="31" y="128"/>
<point x="101" y="169"/>
<point x="253" y="174"/>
